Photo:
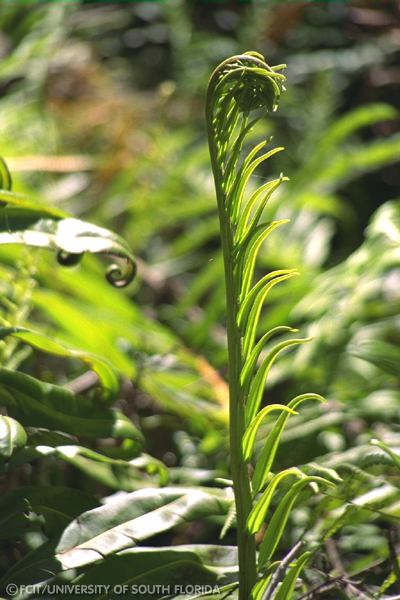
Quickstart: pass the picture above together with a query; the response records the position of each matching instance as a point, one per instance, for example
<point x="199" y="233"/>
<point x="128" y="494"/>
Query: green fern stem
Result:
<point x="238" y="88"/>
<point x="239" y="470"/>
<point x="240" y="85"/>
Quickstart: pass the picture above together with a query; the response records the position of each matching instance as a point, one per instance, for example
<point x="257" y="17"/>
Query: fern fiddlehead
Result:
<point x="239" y="91"/>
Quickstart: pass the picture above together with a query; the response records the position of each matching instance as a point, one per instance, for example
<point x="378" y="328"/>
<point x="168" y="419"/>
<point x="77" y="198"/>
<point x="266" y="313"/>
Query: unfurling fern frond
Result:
<point x="240" y="90"/>
<point x="27" y="223"/>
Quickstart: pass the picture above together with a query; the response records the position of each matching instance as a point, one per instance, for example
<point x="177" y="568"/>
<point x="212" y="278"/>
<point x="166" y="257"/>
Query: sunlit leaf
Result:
<point x="260" y="197"/>
<point x="258" y="591"/>
<point x="258" y="383"/>
<point x="250" y="309"/>
<point x="120" y="524"/>
<point x="12" y="436"/>
<point x="251" y="431"/>
<point x="288" y="585"/>
<point x="71" y="238"/>
<point x="281" y="515"/>
<point x="259" y="511"/>
<point x="107" y="376"/>
<point x="38" y="404"/>
<point x="249" y="168"/>
<point x="268" y="453"/>
<point x="251" y="362"/>
<point x="248" y="252"/>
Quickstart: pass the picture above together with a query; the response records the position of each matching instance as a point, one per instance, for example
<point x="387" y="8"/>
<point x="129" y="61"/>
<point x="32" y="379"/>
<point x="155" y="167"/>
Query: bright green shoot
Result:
<point x="240" y="90"/>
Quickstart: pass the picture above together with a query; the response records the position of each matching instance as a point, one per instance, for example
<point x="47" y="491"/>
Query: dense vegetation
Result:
<point x="114" y="434"/>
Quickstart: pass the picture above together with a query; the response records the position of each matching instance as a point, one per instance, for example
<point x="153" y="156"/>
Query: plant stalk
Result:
<point x="240" y="476"/>
<point x="239" y="471"/>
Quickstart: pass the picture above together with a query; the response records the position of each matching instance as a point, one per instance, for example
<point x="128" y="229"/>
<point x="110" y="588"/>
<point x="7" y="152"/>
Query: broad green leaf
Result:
<point x="106" y="374"/>
<point x="288" y="585"/>
<point x="97" y="301"/>
<point x="45" y="437"/>
<point x="171" y="388"/>
<point x="281" y="515"/>
<point x="175" y="568"/>
<point x="12" y="436"/>
<point x="251" y="431"/>
<point x="128" y="475"/>
<point x="49" y="508"/>
<point x="71" y="238"/>
<point x="38" y="404"/>
<point x="122" y="523"/>
<point x="267" y="454"/>
<point x="259" y="511"/>
<point x="136" y="517"/>
<point x="82" y="330"/>
<point x="257" y="385"/>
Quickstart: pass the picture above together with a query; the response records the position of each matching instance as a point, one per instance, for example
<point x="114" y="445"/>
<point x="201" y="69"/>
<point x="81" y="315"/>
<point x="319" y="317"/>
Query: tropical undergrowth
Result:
<point x="95" y="390"/>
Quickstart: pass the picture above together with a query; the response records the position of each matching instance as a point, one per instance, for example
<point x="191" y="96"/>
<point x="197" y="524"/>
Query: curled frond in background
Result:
<point x="70" y="238"/>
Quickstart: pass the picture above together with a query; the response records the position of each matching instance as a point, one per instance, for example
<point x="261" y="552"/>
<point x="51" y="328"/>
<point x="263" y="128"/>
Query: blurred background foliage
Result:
<point x="101" y="115"/>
